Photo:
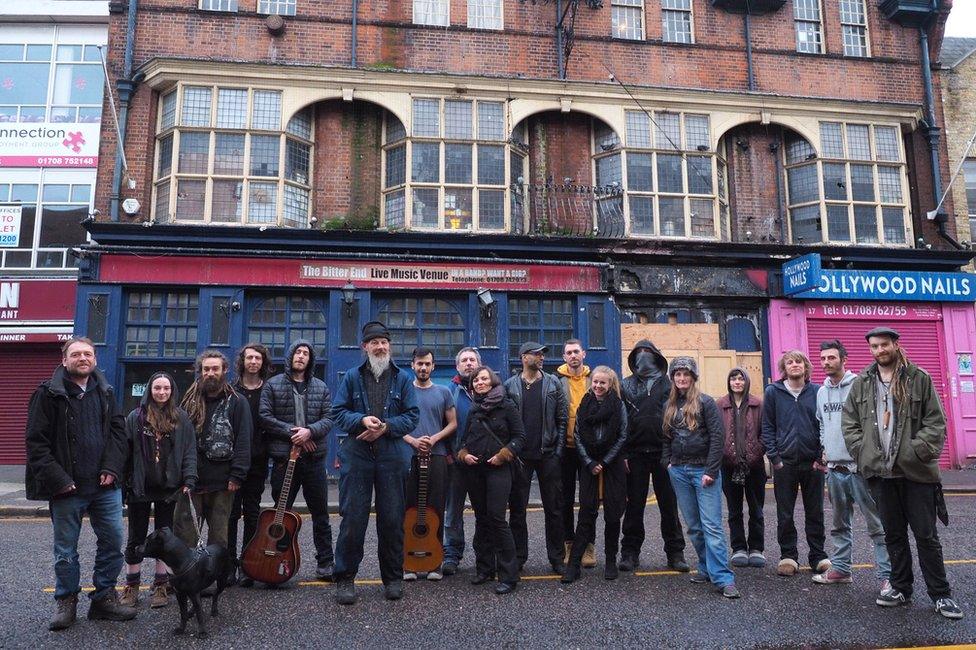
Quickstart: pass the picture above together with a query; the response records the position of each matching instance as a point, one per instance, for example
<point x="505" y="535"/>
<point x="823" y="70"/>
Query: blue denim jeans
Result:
<point x="846" y="489"/>
<point x="364" y="467"/>
<point x="454" y="515"/>
<point x="104" y="510"/>
<point x="702" y="510"/>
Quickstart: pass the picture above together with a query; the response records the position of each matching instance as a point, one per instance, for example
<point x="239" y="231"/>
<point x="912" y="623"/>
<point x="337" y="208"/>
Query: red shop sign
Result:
<point x="37" y="300"/>
<point x="887" y="311"/>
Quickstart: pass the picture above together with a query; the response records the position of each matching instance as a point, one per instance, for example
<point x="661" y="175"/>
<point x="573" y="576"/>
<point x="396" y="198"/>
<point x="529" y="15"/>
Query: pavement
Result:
<point x="14" y="503"/>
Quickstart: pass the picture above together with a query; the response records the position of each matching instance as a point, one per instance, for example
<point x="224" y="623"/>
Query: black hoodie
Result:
<point x="645" y="403"/>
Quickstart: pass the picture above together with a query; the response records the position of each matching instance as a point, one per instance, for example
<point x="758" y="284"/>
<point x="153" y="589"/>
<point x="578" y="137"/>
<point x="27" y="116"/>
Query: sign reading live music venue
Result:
<point x="48" y="144"/>
<point x="241" y="271"/>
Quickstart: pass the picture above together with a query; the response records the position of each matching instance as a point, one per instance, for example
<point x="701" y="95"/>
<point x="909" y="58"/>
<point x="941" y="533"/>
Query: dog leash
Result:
<point x="197" y="521"/>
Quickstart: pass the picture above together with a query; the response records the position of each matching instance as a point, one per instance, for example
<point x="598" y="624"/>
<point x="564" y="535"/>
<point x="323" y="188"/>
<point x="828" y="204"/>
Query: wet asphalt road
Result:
<point x="654" y="608"/>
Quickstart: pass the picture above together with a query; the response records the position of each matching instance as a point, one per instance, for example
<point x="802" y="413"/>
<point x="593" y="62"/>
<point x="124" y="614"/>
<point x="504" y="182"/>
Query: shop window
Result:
<point x="627" y="18"/>
<point x="50" y="217"/>
<point x="161" y="324"/>
<point x="809" y="26"/>
<point x="434" y="323"/>
<point x="549" y="321"/>
<point x="208" y="171"/>
<point x="854" y="193"/>
<point x="676" y="21"/>
<point x="280" y="320"/>
<point x="96" y="327"/>
<point x="431" y="12"/>
<point x="485" y="14"/>
<point x="137" y="375"/>
<point x="58" y="82"/>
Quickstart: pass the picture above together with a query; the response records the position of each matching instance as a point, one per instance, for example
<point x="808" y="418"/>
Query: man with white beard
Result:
<point x="374" y="408"/>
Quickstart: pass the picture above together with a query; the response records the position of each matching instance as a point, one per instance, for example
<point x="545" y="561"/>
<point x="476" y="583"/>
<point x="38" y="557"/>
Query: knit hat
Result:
<point x="683" y="363"/>
<point x="375" y="330"/>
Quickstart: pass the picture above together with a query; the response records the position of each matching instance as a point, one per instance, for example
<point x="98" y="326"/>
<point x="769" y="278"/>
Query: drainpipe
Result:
<point x="560" y="63"/>
<point x="126" y="87"/>
<point x="932" y="130"/>
<point x="355" y="31"/>
<point x="748" y="36"/>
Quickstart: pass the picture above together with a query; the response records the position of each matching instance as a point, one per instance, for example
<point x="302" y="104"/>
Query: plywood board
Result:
<point x="713" y="371"/>
<point x="752" y="362"/>
<point x="684" y="336"/>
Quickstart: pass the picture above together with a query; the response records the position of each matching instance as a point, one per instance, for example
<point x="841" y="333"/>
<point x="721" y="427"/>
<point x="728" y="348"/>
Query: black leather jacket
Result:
<point x="556" y="411"/>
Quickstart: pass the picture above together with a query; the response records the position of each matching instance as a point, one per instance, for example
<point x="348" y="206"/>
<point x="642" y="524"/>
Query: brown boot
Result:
<point x="66" y="610"/>
<point x="589" y="557"/>
<point x="160" y="596"/>
<point x="130" y="596"/>
<point x="568" y="547"/>
<point x="109" y="609"/>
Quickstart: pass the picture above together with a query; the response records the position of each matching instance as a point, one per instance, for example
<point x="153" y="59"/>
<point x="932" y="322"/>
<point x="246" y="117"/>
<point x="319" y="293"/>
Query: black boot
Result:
<point x="676" y="562"/>
<point x="628" y="562"/>
<point x="109" y="609"/>
<point x="610" y="570"/>
<point x="572" y="572"/>
<point x="65" y="614"/>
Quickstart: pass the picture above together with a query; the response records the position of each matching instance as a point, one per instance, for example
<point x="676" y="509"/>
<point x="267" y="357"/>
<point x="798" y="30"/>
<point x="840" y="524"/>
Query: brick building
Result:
<point x="492" y="171"/>
<point x="958" y="65"/>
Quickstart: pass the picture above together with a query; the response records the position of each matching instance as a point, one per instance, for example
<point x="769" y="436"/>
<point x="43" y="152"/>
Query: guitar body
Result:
<point x="272" y="556"/>
<point x="422" y="550"/>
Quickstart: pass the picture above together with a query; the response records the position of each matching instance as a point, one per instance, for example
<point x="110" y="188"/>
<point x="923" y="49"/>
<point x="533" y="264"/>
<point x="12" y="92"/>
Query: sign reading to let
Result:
<point x="10" y="216"/>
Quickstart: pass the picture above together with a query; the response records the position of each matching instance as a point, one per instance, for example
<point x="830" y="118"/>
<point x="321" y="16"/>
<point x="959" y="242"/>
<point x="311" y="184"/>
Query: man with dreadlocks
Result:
<point x="222" y="420"/>
<point x="894" y="427"/>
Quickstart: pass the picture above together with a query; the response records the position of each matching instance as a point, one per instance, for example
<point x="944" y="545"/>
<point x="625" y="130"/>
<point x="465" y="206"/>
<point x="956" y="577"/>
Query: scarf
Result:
<point x="491" y="399"/>
<point x="740" y="421"/>
<point x="592" y="413"/>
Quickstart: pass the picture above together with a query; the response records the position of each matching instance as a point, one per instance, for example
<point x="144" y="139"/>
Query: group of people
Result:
<point x="873" y="438"/>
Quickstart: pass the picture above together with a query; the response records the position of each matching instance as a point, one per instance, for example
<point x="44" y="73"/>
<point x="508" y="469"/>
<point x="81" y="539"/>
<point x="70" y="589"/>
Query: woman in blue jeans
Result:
<point x="692" y="450"/>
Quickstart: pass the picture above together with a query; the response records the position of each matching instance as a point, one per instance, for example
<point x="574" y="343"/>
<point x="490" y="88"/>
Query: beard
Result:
<point x="378" y="364"/>
<point x="210" y="385"/>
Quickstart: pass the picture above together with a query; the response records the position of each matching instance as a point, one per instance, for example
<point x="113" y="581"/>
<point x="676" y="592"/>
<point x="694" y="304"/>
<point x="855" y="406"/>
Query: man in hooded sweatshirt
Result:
<point x="645" y="393"/>
<point x="296" y="409"/>
<point x="791" y="436"/>
<point x="574" y="376"/>
<point x="845" y="485"/>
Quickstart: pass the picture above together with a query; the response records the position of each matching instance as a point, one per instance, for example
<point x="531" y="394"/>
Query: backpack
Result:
<point x="216" y="441"/>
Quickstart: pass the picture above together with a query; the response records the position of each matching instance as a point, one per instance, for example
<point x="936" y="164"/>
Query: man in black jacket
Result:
<point x="544" y="407"/>
<point x="645" y="393"/>
<point x="296" y="410"/>
<point x="222" y="421"/>
<point x="76" y="453"/>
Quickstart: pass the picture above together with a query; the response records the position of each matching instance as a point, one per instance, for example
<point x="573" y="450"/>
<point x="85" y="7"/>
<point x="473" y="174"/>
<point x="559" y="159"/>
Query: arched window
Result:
<point x="278" y="321"/>
<point x="432" y="322"/>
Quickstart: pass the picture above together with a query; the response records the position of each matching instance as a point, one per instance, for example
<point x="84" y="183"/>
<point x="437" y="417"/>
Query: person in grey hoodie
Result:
<point x="845" y="485"/>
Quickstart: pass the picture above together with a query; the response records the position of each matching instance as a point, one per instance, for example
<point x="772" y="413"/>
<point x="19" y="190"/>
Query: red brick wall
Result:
<point x="753" y="194"/>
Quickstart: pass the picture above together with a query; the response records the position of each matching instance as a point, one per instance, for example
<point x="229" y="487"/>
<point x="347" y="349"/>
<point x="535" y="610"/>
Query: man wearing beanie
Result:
<point x="374" y="408"/>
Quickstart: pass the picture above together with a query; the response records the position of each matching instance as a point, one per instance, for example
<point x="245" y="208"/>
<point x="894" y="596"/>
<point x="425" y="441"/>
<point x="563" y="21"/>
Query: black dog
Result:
<point x="193" y="571"/>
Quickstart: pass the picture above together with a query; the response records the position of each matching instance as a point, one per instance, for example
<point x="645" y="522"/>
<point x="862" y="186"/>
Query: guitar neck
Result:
<point x="422" y="491"/>
<point x="285" y="492"/>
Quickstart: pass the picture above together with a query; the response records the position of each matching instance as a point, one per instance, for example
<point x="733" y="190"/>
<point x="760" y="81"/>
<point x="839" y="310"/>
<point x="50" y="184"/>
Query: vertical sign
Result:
<point x="801" y="274"/>
<point x="10" y="225"/>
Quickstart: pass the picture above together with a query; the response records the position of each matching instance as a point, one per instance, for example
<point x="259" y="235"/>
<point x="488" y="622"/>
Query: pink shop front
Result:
<point x="938" y="336"/>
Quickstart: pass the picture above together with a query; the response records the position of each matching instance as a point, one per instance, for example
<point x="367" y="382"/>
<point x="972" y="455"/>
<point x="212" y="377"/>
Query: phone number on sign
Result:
<point x="873" y="310"/>
<point x="67" y="161"/>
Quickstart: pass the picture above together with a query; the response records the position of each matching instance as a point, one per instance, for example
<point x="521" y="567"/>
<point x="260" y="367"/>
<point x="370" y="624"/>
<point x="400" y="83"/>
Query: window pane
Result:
<point x="835" y="181"/>
<point x="395" y="205"/>
<point x="229" y="154"/>
<point x="426" y="117"/>
<point x="262" y="204"/>
<point x="798" y="150"/>
<point x="61" y="225"/>
<point x="394" y="128"/>
<point x="457" y="208"/>
<point x="491" y="209"/>
<point x="889" y="184"/>
<point x="424" y="208"/>
<point x="282" y="7"/>
<point x="638" y="129"/>
<point x="639" y="173"/>
<point x="226" y="205"/>
<point x="300" y="124"/>
<point x="457" y="163"/>
<point x="194" y="151"/>
<point x="264" y="155"/>
<point x="218" y="5"/>
<point x="78" y="84"/>
<point x="231" y="108"/>
<point x="700" y="175"/>
<point x="162" y="214"/>
<point x="11" y="52"/>
<point x="23" y="192"/>
<point x="667" y="130"/>
<point x="491" y="165"/>
<point x="831" y="140"/>
<point x="886" y="143"/>
<point x="866" y="224"/>
<point x="165" y="156"/>
<point x="168" y="112"/>
<point x="396" y="166"/>
<point x="64" y="114"/>
<point x="696" y="132"/>
<point x="430" y="12"/>
<point x="296" y="207"/>
<point x="457" y="119"/>
<point x="485" y="14"/>
<point x="189" y="200"/>
<point x="39" y="52"/>
<point x="608" y="170"/>
<point x="805" y="224"/>
<point x="604" y="137"/>
<point x="838" y="223"/>
<point x="677" y="26"/>
<point x="862" y="182"/>
<point x="266" y="113"/>
<point x="802" y="183"/>
<point x="297" y="160"/>
<point x="196" y="106"/>
<point x="24" y="83"/>
<point x="672" y="213"/>
<point x="426" y="162"/>
<point x="641" y="215"/>
<point x="858" y="141"/>
<point x="90" y="114"/>
<point x="969" y="172"/>
<point x="52" y="192"/>
<point x="80" y="193"/>
<point x="627" y="19"/>
<point x="855" y="40"/>
<point x="669" y="174"/>
<point x="491" y="121"/>
<point x="702" y="218"/>
<point x="894" y="225"/>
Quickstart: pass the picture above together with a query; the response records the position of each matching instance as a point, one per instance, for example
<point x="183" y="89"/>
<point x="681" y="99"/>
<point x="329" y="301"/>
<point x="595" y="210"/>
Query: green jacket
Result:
<point x="918" y="436"/>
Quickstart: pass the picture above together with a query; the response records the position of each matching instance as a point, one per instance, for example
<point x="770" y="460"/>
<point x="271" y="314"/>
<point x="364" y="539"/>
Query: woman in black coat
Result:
<point x="162" y="461"/>
<point x="493" y="438"/>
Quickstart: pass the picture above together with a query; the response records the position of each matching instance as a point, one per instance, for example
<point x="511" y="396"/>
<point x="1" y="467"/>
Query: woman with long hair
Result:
<point x="692" y="450"/>
<point x="162" y="462"/>
<point x="601" y="432"/>
<point x="493" y="438"/>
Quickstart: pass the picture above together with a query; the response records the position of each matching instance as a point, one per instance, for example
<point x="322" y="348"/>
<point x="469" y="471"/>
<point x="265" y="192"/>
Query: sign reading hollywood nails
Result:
<point x="48" y="144"/>
<point x="893" y="285"/>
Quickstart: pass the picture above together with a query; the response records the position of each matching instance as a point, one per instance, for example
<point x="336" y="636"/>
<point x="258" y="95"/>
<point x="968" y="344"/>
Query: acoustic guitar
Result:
<point x="272" y="556"/>
<point x="422" y="550"/>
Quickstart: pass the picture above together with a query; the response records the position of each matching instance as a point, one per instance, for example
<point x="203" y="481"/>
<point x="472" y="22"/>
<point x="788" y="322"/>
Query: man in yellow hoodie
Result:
<point x="575" y="379"/>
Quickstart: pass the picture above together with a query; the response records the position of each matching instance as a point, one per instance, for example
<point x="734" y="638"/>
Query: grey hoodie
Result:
<point x="830" y="404"/>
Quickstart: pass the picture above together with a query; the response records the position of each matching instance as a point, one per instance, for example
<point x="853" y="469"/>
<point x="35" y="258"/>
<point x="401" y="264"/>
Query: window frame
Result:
<point x="818" y="23"/>
<point x="274" y="7"/>
<point x="690" y="12"/>
<point x="434" y="4"/>
<point x="845" y="26"/>
<point x="483" y="4"/>
<point x="221" y="6"/>
<point x="161" y="324"/>
<point x="629" y="6"/>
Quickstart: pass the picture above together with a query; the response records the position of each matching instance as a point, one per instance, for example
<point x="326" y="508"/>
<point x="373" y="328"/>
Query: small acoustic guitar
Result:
<point x="272" y="556"/>
<point x="422" y="550"/>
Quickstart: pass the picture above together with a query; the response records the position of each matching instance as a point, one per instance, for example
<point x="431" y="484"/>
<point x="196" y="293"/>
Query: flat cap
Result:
<point x="531" y="347"/>
<point x="882" y="331"/>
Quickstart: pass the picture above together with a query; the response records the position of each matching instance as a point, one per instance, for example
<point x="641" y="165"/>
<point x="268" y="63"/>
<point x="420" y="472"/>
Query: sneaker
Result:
<point x="109" y="609"/>
<point x="325" y="572"/>
<point x="130" y="596"/>
<point x="409" y="576"/>
<point x="729" y="591"/>
<point x="699" y="579"/>
<point x="787" y="567"/>
<point x="892" y="598"/>
<point x="346" y="592"/>
<point x="948" y="608"/>
<point x="822" y="565"/>
<point x="832" y="577"/>
<point x="433" y="575"/>
<point x="449" y="568"/>
<point x="160" y="597"/>
<point x="757" y="560"/>
<point x="885" y="586"/>
<point x="740" y="559"/>
<point x="589" y="557"/>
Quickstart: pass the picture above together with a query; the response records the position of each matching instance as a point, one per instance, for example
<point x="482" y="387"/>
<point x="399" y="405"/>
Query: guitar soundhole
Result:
<point x="420" y="530"/>
<point x="276" y="531"/>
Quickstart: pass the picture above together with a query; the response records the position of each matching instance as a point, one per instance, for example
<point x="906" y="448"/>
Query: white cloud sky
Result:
<point x="962" y="19"/>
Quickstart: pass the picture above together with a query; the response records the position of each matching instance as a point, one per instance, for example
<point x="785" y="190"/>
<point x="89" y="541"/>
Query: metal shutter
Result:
<point x="921" y="341"/>
<point x="22" y="369"/>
